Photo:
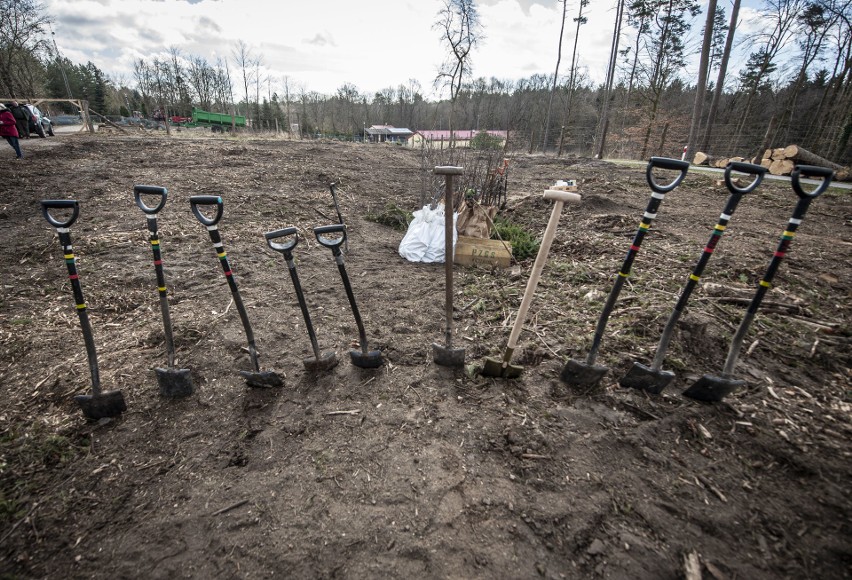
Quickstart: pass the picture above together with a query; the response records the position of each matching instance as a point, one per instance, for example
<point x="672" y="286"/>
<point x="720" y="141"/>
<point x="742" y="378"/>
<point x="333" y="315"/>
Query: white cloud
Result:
<point x="324" y="44"/>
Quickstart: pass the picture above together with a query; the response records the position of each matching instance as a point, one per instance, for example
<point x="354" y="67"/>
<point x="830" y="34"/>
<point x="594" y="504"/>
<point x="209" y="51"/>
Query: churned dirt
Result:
<point x="412" y="470"/>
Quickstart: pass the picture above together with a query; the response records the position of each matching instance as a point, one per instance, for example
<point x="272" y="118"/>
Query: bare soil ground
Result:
<point x="433" y="473"/>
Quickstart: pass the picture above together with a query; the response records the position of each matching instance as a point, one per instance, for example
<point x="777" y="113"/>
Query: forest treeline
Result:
<point x="795" y="86"/>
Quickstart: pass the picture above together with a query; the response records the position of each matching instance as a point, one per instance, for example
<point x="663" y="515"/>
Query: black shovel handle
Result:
<point x="758" y="171"/>
<point x="285" y="247"/>
<point x="339" y="216"/>
<point x="718" y="230"/>
<point x="154" y="239"/>
<point x="657" y="197"/>
<point x="77" y="288"/>
<point x="811" y="171"/>
<point x="333" y="189"/>
<point x="665" y="163"/>
<point x="333" y="243"/>
<point x="49" y="204"/>
<point x="196" y="200"/>
<point x="140" y="190"/>
<point x="780" y="253"/>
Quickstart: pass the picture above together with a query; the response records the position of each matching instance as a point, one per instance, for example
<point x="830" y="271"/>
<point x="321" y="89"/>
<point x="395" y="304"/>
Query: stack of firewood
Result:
<point x="778" y="161"/>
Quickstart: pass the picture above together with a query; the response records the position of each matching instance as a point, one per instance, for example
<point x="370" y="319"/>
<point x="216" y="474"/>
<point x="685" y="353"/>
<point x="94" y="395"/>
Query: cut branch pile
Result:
<point x="780" y="161"/>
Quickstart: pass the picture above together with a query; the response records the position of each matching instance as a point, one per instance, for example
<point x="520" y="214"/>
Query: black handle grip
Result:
<point x="332" y="229"/>
<point x="284" y="247"/>
<point x="49" y="204"/>
<point x="749" y="168"/>
<point x="666" y="163"/>
<point x="139" y="190"/>
<point x="196" y="200"/>
<point x="811" y="171"/>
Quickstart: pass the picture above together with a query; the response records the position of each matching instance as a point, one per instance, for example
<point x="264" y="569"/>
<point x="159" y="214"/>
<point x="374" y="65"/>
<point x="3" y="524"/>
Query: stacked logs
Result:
<point x="778" y="161"/>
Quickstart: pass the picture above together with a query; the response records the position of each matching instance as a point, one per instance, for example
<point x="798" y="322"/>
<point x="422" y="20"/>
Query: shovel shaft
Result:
<point x="82" y="312"/>
<point x="658" y="194"/>
<point x="535" y="274"/>
<point x="692" y="282"/>
<point x="737" y="344"/>
<point x="603" y="319"/>
<point x="300" y="296"/>
<point x="339" y="216"/>
<point x="765" y="284"/>
<point x="154" y="238"/>
<point x="449" y="253"/>
<point x="362" y="333"/>
<point x="290" y="239"/>
<point x="805" y="199"/>
<point x="334" y="244"/>
<point x="657" y="198"/>
<point x="235" y="292"/>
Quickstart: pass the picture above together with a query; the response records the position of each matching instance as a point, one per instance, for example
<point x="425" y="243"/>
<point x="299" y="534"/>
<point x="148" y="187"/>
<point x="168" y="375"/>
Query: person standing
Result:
<point x="9" y="130"/>
<point x="22" y="117"/>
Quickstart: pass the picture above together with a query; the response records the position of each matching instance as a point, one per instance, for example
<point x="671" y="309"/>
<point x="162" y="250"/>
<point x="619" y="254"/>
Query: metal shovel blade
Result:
<point x="327" y="360"/>
<point x="580" y="374"/>
<point x="174" y="383"/>
<point x="494" y="368"/>
<point x="97" y="407"/>
<point x="366" y="360"/>
<point x="447" y="357"/>
<point x="262" y="379"/>
<point x="711" y="389"/>
<point x="646" y="379"/>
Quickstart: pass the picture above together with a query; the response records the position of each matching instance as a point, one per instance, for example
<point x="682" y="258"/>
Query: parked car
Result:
<point x="38" y="122"/>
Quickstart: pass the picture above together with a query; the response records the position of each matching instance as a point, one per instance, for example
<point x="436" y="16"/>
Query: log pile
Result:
<point x="779" y="161"/>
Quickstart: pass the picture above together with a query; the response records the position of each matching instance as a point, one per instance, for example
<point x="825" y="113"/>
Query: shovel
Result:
<point x="502" y="368"/>
<point x="588" y="374"/>
<point x="173" y="382"/>
<point x="652" y="379"/>
<point x="100" y="404"/>
<point x="320" y="361"/>
<point x="447" y="355"/>
<point x="365" y="358"/>
<point x="711" y="388"/>
<point x="339" y="217"/>
<point x="256" y="378"/>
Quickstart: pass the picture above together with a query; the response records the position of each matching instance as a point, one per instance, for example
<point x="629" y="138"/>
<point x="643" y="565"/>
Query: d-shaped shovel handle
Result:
<point x="197" y="200"/>
<point x="333" y="243"/>
<point x="49" y="204"/>
<point x="811" y="171"/>
<point x="285" y="247"/>
<point x="140" y="190"/>
<point x="758" y="171"/>
<point x="665" y="163"/>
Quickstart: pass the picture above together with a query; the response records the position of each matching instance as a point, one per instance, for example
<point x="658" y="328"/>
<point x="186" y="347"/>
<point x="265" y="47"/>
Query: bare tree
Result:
<point x="723" y="69"/>
<point x="701" y="86"/>
<point x="572" y="76"/>
<point x="780" y="16"/>
<point x="663" y="43"/>
<point x="816" y="21"/>
<point x="286" y="86"/>
<point x="461" y="31"/>
<point x="244" y="59"/>
<point x="258" y="82"/>
<point x="23" y="38"/>
<point x="202" y="77"/>
<point x="555" y="77"/>
<point x="830" y="121"/>
<point x="610" y="77"/>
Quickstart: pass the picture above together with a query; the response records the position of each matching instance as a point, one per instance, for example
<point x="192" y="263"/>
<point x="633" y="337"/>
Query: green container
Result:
<point x="200" y="117"/>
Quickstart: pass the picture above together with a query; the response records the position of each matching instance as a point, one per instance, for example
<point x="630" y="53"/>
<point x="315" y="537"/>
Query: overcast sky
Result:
<point x="322" y="44"/>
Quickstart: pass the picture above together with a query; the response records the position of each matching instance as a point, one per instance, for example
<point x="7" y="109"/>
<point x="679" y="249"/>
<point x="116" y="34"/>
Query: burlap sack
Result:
<point x="475" y="220"/>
